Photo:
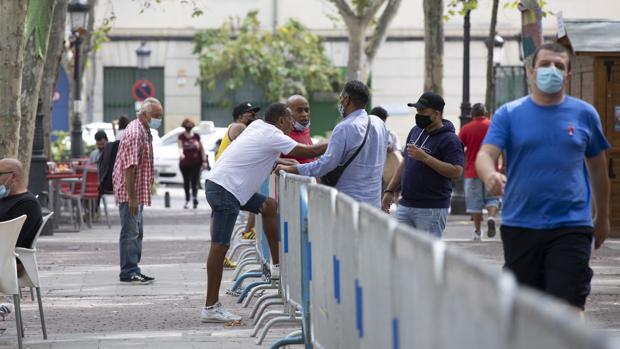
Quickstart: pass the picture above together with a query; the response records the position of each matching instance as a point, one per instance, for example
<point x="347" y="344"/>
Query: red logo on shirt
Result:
<point x="571" y="129"/>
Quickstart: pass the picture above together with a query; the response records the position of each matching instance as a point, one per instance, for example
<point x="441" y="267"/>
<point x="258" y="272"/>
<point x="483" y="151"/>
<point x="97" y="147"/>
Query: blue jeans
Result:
<point x="130" y="242"/>
<point x="225" y="208"/>
<point x="430" y="220"/>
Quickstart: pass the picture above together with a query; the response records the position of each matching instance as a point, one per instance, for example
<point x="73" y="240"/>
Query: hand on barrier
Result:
<point x="285" y="168"/>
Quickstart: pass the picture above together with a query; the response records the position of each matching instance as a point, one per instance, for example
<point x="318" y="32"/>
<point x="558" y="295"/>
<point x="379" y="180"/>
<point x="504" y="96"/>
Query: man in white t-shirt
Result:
<point x="232" y="186"/>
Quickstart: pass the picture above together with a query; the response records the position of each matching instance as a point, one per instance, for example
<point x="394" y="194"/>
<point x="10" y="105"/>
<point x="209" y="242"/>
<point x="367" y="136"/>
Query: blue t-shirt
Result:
<point x="547" y="181"/>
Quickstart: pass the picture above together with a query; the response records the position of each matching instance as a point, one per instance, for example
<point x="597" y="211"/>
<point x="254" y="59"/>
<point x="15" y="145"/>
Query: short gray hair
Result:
<point x="147" y="105"/>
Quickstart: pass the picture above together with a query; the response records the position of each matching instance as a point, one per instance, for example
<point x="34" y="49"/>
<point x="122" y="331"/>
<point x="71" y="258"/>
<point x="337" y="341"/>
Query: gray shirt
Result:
<point x="362" y="178"/>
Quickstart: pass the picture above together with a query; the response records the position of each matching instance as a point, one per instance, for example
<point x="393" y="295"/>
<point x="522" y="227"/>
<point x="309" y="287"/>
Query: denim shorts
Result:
<point x="476" y="196"/>
<point x="225" y="208"/>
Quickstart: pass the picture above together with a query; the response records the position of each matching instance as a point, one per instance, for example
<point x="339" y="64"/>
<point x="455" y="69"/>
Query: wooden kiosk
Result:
<point x="596" y="79"/>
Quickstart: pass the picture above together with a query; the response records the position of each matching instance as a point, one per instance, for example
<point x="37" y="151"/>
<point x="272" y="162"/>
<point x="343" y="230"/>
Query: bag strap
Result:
<point x="357" y="151"/>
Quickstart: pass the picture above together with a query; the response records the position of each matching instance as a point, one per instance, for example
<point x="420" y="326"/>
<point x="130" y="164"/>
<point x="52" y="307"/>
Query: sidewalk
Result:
<point x="87" y="307"/>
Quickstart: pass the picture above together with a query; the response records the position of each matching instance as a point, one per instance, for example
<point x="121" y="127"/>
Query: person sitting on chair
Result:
<point x="15" y="201"/>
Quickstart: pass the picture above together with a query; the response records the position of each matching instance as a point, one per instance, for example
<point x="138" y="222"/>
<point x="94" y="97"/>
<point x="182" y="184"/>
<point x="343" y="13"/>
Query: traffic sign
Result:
<point x="142" y="90"/>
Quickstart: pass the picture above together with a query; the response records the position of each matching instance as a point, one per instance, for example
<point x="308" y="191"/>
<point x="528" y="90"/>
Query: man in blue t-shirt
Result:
<point x="434" y="158"/>
<point x="552" y="141"/>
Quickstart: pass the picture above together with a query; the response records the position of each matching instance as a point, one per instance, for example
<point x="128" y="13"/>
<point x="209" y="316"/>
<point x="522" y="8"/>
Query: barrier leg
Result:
<point x="293" y="338"/>
<point x="274" y="321"/>
<point x="262" y="304"/>
<point x="238" y="246"/>
<point x="249" y="288"/>
<point x="264" y="318"/>
<point x="247" y="253"/>
<point x="270" y="286"/>
<point x="240" y="267"/>
<point x="250" y="274"/>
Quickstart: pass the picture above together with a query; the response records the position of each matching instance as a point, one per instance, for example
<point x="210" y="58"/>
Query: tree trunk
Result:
<point x="356" y="65"/>
<point x="12" y="20"/>
<point x="53" y="59"/>
<point x="531" y="32"/>
<point x="379" y="34"/>
<point x="433" y="46"/>
<point x="490" y="76"/>
<point x="39" y="21"/>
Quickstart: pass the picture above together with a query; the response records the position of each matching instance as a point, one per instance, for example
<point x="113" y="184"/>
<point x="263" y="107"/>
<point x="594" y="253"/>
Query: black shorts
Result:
<point x="555" y="261"/>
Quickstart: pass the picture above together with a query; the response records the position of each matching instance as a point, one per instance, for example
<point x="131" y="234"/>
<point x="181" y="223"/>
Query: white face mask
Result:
<point x="299" y="127"/>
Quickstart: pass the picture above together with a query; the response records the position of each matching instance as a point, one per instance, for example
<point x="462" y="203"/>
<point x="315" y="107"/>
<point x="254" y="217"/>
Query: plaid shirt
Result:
<point x="135" y="149"/>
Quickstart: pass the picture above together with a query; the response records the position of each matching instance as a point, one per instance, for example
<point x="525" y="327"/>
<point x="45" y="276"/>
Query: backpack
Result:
<point x="106" y="167"/>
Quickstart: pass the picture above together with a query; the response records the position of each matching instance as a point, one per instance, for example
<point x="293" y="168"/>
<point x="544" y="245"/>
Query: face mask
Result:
<point x="423" y="121"/>
<point x="299" y="127"/>
<point x="4" y="191"/>
<point x="341" y="109"/>
<point x="188" y="129"/>
<point x="549" y="79"/>
<point x="155" y="123"/>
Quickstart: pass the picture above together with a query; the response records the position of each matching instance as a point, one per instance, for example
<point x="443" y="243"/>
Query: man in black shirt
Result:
<point x="16" y="200"/>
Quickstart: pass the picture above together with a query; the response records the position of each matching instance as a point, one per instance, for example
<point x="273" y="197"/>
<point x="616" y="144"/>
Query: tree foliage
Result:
<point x="291" y="60"/>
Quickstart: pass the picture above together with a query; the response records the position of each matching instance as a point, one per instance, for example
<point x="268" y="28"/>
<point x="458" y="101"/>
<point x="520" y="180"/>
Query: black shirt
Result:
<point x="14" y="206"/>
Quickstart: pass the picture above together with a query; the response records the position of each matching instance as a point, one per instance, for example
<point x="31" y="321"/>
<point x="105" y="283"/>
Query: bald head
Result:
<point x="12" y="165"/>
<point x="12" y="175"/>
<point x="300" y="109"/>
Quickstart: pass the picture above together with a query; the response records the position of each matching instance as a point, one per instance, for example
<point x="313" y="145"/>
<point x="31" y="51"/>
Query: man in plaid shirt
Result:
<point x="132" y="180"/>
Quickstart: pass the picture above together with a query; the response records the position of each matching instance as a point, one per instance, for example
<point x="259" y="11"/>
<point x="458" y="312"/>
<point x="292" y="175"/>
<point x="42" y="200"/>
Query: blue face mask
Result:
<point x="549" y="79"/>
<point x="4" y="191"/>
<point x="155" y="123"/>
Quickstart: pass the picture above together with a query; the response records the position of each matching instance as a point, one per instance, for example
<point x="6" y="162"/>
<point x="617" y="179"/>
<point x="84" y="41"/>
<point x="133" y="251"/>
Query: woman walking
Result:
<point x="192" y="160"/>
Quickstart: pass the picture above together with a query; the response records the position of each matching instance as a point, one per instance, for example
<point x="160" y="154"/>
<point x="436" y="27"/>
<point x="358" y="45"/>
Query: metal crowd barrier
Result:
<point x="358" y="279"/>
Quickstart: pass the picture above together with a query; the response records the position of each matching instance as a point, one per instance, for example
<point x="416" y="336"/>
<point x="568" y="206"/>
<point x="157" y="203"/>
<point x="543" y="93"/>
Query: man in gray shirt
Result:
<point x="362" y="178"/>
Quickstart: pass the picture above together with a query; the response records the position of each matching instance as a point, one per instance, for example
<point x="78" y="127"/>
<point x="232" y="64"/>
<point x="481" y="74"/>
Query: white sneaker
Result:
<point x="477" y="236"/>
<point x="5" y="309"/>
<point x="274" y="270"/>
<point x="216" y="313"/>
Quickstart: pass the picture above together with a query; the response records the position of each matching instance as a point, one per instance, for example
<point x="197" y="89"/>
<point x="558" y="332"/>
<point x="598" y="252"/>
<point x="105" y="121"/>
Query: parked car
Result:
<point x="166" y="153"/>
<point x="89" y="130"/>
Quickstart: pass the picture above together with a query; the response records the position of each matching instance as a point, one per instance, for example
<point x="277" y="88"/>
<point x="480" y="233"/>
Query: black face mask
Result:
<point x="423" y="121"/>
<point x="188" y="129"/>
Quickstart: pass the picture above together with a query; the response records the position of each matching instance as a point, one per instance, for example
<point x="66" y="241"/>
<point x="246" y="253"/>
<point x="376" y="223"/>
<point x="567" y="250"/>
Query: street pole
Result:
<point x="77" y="150"/>
<point x="37" y="178"/>
<point x="458" y="196"/>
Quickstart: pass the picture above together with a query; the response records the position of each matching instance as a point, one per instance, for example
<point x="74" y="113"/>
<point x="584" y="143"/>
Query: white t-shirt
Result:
<point x="248" y="160"/>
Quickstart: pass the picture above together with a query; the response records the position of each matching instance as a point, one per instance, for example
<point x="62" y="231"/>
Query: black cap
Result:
<point x="429" y="100"/>
<point x="244" y="108"/>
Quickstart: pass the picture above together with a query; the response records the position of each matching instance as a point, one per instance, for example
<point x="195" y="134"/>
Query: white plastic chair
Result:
<point x="30" y="278"/>
<point x="9" y="231"/>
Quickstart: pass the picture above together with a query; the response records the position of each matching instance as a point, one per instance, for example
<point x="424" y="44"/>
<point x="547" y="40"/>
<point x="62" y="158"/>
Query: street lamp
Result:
<point x="143" y="54"/>
<point x="78" y="15"/>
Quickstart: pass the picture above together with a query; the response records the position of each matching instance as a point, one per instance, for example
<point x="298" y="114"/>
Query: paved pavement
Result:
<point x="86" y="306"/>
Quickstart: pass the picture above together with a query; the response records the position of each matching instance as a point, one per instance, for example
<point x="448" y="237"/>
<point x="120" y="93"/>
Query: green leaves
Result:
<point x="460" y="7"/>
<point x="38" y="20"/>
<point x="291" y="60"/>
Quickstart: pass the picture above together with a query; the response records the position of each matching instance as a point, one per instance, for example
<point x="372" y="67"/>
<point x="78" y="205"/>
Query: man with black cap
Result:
<point x="243" y="115"/>
<point x="434" y="158"/>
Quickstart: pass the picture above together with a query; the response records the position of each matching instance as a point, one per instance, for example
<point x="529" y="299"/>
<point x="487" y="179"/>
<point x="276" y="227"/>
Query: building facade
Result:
<point x="397" y="72"/>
